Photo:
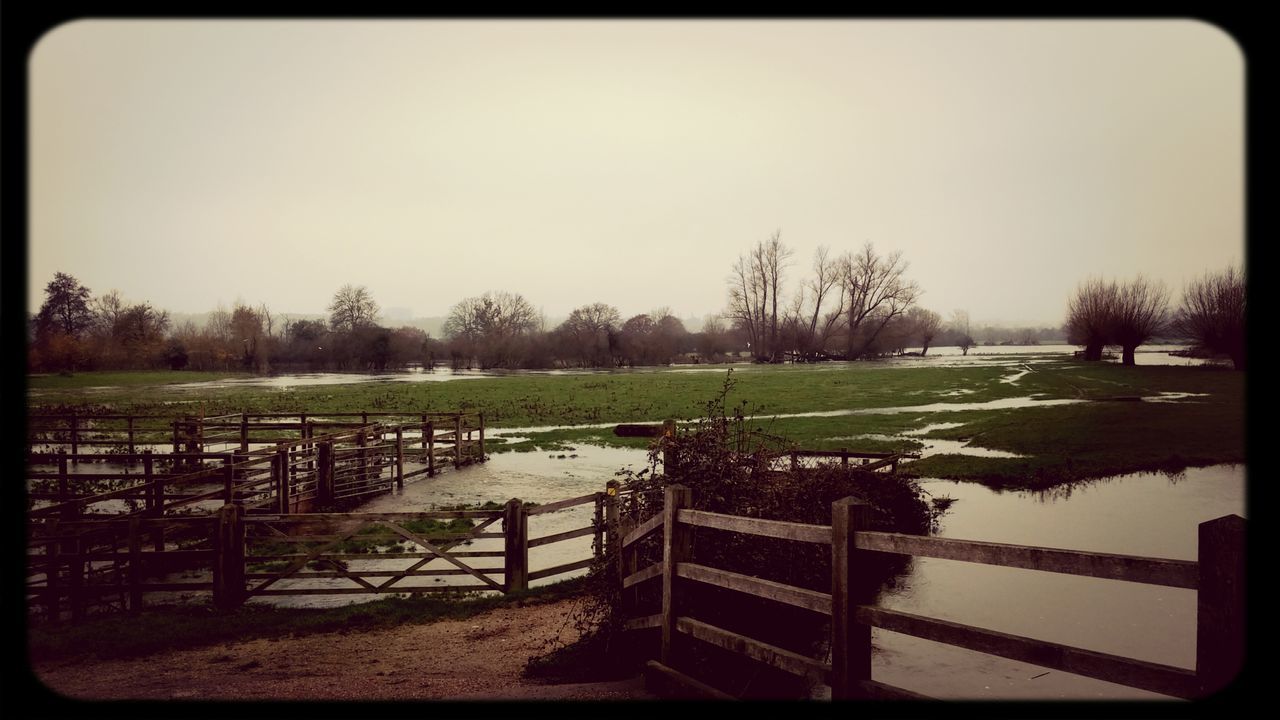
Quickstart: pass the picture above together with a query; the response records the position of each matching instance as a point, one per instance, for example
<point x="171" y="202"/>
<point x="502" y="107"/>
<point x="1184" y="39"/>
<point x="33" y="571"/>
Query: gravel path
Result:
<point x="479" y="658"/>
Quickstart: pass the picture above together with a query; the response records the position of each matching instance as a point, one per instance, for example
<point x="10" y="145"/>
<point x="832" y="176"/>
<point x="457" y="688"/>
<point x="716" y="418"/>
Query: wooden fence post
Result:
<point x="53" y="573"/>
<point x="482" y="458"/>
<point x="228" y="562"/>
<point x="430" y="444"/>
<point x="668" y="433"/>
<point x="76" y="578"/>
<point x="229" y="478"/>
<point x="400" y="457"/>
<point x="598" y="546"/>
<point x="612" y="538"/>
<point x="75" y="435"/>
<point x="324" y="479"/>
<point x="844" y="457"/>
<point x="677" y="547"/>
<point x="135" y="565"/>
<point x="281" y="464"/>
<point x="130" y="421"/>
<point x="1220" y="605"/>
<point x="850" y="640"/>
<point x="64" y="488"/>
<point x="177" y="446"/>
<point x="457" y="440"/>
<point x="516" y="547"/>
<point x="244" y="432"/>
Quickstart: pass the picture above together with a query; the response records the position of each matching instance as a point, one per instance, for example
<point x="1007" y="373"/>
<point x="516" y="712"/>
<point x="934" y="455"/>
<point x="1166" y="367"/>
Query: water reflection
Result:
<point x="1145" y="514"/>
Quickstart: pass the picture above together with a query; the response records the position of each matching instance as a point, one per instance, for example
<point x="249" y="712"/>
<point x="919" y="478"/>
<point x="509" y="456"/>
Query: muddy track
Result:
<point x="479" y="658"/>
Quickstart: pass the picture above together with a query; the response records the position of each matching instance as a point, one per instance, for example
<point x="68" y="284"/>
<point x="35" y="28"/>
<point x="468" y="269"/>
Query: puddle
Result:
<point x="1173" y="396"/>
<point x="1014" y="378"/>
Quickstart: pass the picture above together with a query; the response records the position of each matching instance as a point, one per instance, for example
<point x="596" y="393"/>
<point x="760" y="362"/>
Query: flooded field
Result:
<point x="1145" y="514"/>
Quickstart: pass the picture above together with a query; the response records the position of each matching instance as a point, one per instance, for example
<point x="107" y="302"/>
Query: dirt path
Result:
<point x="478" y="658"/>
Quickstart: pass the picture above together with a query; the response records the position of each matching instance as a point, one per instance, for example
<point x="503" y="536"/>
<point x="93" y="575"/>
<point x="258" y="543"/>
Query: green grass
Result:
<point x="163" y="628"/>
<point x="1067" y="442"/>
<point x="131" y="378"/>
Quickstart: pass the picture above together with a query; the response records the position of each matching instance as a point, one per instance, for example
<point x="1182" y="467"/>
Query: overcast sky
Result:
<point x="192" y="163"/>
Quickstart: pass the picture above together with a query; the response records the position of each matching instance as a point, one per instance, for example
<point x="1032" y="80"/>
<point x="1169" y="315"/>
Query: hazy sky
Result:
<point x="188" y="163"/>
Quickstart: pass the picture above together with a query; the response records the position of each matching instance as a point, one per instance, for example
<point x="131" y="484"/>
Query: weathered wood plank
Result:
<point x="359" y="556"/>
<point x="1152" y="571"/>
<point x="566" y="535"/>
<point x="808" y="599"/>
<point x="771" y="655"/>
<point x="637" y="430"/>
<point x="443" y="555"/>
<point x="558" y="569"/>
<point x="370" y="573"/>
<point x="374" y="591"/>
<point x="872" y="690"/>
<point x="653" y="571"/>
<point x="394" y="517"/>
<point x="644" y="529"/>
<point x="561" y="504"/>
<point x="1164" y="679"/>
<point x="756" y="526"/>
<point x="643" y="623"/>
<point x="663" y="680"/>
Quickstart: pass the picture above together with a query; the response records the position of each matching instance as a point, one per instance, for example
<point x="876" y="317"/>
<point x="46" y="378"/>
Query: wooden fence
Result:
<point x="329" y="463"/>
<point x="82" y="564"/>
<point x="1217" y="576"/>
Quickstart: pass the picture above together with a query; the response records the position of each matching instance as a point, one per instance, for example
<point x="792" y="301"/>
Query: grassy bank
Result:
<point x="170" y="627"/>
<point x="1105" y="433"/>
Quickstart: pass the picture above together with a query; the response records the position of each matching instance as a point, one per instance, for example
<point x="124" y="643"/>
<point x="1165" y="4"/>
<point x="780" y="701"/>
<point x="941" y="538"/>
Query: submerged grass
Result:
<point x="162" y="628"/>
<point x="1065" y="442"/>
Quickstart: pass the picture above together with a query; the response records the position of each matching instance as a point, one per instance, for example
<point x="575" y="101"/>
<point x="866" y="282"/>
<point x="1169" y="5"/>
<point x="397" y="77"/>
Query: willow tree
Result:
<point x="1089" y="316"/>
<point x="1212" y="315"/>
<point x="1140" y="312"/>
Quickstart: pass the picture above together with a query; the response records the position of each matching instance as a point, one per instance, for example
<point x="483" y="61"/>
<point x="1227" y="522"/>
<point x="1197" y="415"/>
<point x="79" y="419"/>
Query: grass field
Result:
<point x="1105" y="434"/>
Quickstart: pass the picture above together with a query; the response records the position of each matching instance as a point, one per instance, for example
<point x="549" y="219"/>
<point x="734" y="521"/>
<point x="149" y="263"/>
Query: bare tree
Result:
<point x="754" y="284"/>
<point x="488" y="328"/>
<point x="960" y="326"/>
<point x="817" y="310"/>
<point x="1212" y="315"/>
<point x="591" y="331"/>
<point x="878" y="293"/>
<point x="926" y="324"/>
<point x="1140" y="312"/>
<point x="1089" y="316"/>
<point x="352" y="307"/>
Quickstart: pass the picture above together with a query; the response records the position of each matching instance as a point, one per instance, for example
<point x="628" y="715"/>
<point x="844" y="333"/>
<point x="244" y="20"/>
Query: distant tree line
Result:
<point x="855" y="306"/>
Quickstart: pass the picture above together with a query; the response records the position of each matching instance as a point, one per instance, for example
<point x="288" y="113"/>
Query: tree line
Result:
<point x="857" y="305"/>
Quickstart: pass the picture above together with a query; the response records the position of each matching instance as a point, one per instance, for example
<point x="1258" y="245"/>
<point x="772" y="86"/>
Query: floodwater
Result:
<point x="948" y="356"/>
<point x="1145" y="514"/>
<point x="540" y="477"/>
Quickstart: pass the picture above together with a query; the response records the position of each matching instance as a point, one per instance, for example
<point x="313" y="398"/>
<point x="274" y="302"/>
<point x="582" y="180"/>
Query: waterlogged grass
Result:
<point x="162" y="628"/>
<point x="127" y="379"/>
<point x="1103" y="435"/>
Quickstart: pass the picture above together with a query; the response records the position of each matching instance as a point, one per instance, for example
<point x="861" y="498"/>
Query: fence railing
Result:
<point x="330" y="462"/>
<point x="456" y="437"/>
<point x="76" y="565"/>
<point x="1217" y="576"/>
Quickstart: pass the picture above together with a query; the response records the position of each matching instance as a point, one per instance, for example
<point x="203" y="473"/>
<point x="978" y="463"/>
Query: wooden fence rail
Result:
<point x="1217" y="576"/>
